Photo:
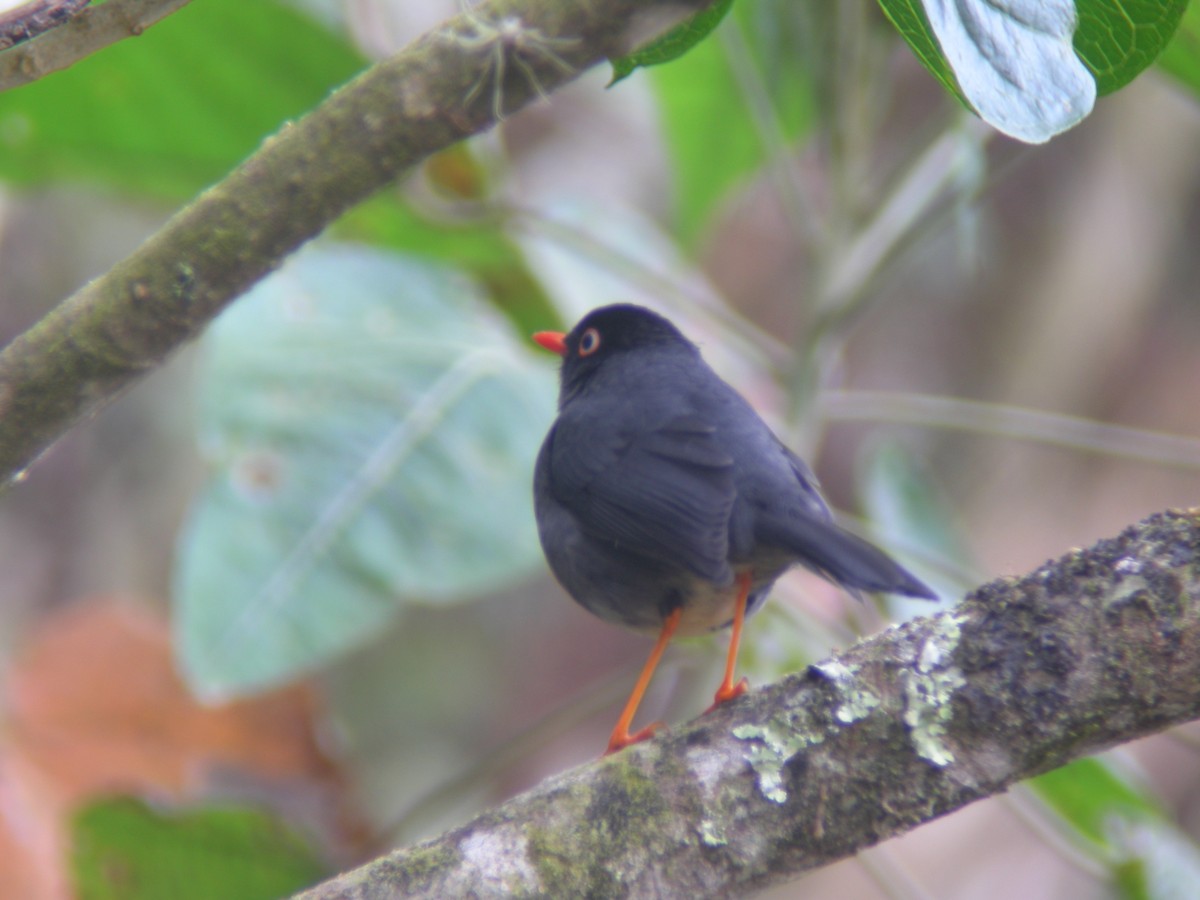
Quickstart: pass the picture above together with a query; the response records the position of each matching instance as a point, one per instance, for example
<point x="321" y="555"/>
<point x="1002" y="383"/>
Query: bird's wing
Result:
<point x="810" y="489"/>
<point x="807" y="531"/>
<point x="664" y="493"/>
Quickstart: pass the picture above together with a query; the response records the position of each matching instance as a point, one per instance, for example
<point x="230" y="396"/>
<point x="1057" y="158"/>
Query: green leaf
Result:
<point x="1090" y="795"/>
<point x="908" y="17"/>
<point x="1014" y="62"/>
<point x="173" y="110"/>
<point x="371" y="430"/>
<point x="1011" y="59"/>
<point x="122" y="849"/>
<point x="672" y="45"/>
<point x="1181" y="58"/>
<point x="1119" y="39"/>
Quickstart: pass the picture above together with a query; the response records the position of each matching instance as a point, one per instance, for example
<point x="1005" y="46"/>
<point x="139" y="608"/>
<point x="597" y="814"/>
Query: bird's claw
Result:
<point x="725" y="693"/>
<point x="621" y="741"/>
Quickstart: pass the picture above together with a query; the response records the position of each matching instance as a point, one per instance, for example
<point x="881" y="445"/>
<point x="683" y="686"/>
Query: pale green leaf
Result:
<point x="371" y="430"/>
<point x="1015" y="62"/>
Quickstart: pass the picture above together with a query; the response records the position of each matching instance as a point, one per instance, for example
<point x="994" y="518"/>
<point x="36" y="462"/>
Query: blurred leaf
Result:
<point x="672" y="45"/>
<point x="174" y="110"/>
<point x="1163" y="863"/>
<point x="83" y="692"/>
<point x="94" y="701"/>
<point x="1129" y="880"/>
<point x="709" y="132"/>
<point x="372" y="432"/>
<point x="1013" y="59"/>
<point x="1181" y="58"/>
<point x="1091" y="794"/>
<point x="713" y="139"/>
<point x="125" y="850"/>
<point x="1119" y="39"/>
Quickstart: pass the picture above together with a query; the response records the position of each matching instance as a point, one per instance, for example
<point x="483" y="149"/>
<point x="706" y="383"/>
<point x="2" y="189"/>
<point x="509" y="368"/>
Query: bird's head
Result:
<point x="606" y="334"/>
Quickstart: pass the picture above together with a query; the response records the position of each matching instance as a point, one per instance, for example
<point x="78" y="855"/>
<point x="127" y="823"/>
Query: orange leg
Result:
<point x="620" y="735"/>
<point x="728" y="690"/>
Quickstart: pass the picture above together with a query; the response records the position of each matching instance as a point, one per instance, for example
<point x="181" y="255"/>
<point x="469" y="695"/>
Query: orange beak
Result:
<point x="553" y="341"/>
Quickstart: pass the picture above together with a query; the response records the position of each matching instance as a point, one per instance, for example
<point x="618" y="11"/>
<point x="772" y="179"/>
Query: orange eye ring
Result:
<point x="589" y="342"/>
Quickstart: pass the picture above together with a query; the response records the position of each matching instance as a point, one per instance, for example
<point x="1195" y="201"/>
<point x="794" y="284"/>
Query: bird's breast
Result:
<point x="642" y="600"/>
<point x="707" y="607"/>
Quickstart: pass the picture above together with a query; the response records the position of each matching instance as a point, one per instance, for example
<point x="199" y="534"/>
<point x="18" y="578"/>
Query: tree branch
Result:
<point x="433" y="93"/>
<point x="1096" y="648"/>
<point x="27" y="21"/>
<point x="85" y="32"/>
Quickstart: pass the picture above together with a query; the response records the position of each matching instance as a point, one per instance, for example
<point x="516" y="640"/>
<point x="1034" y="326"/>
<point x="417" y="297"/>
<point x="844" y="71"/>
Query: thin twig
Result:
<point x="1022" y="423"/>
<point x="892" y="879"/>
<point x="799" y="209"/>
<point x="910" y="199"/>
<point x="1050" y="830"/>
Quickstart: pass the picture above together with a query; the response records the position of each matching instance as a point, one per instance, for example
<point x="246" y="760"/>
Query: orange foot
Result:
<point x="621" y="739"/>
<point x="727" y="692"/>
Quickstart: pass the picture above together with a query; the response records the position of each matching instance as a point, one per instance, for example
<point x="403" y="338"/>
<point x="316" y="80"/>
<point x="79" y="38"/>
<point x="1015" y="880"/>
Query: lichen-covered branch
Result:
<point x="437" y="91"/>
<point x="1093" y="649"/>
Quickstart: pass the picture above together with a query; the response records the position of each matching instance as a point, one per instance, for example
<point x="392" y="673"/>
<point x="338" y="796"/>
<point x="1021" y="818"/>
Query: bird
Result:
<point x="665" y="504"/>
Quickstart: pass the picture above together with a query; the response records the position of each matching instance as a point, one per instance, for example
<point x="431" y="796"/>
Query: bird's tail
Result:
<point x="847" y="559"/>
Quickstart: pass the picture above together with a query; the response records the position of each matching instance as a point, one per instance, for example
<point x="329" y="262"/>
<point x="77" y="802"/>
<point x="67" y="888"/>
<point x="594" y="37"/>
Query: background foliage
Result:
<point x="332" y="491"/>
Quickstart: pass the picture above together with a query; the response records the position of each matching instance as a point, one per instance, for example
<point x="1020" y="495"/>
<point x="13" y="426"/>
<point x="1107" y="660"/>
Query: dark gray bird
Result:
<point x="665" y="504"/>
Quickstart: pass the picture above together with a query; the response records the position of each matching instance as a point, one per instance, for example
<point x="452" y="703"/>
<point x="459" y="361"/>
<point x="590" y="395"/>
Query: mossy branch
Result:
<point x="425" y="98"/>
<point x="1096" y="648"/>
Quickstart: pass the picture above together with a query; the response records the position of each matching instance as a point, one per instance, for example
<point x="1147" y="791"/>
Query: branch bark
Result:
<point x="27" y="21"/>
<point x="1098" y="647"/>
<point x="87" y="31"/>
<point x="423" y="99"/>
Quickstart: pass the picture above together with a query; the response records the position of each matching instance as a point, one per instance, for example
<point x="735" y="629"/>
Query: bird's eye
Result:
<point x="589" y="342"/>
